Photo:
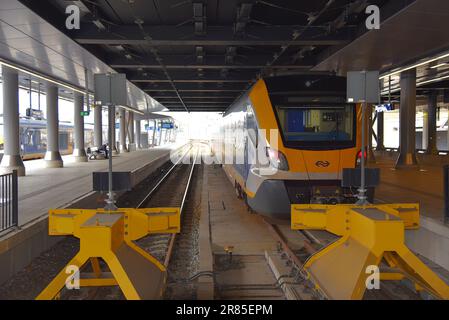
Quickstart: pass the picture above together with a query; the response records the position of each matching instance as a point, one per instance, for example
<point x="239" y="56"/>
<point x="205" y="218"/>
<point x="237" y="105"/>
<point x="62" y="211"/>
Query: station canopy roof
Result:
<point x="201" y="55"/>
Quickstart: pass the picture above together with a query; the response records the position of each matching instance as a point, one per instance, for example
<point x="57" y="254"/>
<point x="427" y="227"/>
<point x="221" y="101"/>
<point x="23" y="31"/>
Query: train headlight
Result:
<point x="277" y="159"/>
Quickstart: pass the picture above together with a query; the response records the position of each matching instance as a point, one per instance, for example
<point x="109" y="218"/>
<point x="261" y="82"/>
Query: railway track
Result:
<point x="315" y="241"/>
<point x="169" y="187"/>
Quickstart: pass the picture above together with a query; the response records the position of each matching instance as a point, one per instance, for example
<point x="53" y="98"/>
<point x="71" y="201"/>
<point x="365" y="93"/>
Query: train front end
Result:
<point x="312" y="134"/>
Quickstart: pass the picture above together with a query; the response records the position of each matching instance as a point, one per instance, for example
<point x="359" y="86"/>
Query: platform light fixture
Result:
<point x="36" y="75"/>
<point x="439" y="65"/>
<point x="420" y="64"/>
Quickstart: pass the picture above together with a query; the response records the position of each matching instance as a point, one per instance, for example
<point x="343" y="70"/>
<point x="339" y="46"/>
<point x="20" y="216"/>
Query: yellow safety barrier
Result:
<point x="110" y="236"/>
<point x="369" y="235"/>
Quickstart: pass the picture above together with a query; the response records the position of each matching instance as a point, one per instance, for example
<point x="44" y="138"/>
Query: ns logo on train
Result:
<point x="322" y="164"/>
<point x="73" y="20"/>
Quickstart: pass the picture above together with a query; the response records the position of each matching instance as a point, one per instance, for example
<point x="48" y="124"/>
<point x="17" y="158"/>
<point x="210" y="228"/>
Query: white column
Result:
<point x="98" y="127"/>
<point x="52" y="156"/>
<point x="122" y="129"/>
<point x="138" y="134"/>
<point x="11" y="131"/>
<point x="79" y="152"/>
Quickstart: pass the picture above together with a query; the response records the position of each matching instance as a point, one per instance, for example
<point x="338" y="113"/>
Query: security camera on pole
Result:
<point x="363" y="87"/>
<point x="110" y="90"/>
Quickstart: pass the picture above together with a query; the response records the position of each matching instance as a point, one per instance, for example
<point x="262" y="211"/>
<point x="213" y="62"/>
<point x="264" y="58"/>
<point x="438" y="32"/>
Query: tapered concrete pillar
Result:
<point x="122" y="145"/>
<point x="98" y="126"/>
<point x="11" y="157"/>
<point x="153" y="141"/>
<point x="138" y="134"/>
<point x="52" y="156"/>
<point x="113" y="143"/>
<point x="79" y="152"/>
<point x="407" y="122"/>
<point x="432" y="124"/>
<point x="160" y="134"/>
<point x="380" y="132"/>
<point x="131" y="134"/>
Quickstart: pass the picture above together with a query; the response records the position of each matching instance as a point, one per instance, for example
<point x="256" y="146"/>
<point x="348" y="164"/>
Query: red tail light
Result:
<point x="359" y="154"/>
<point x="358" y="160"/>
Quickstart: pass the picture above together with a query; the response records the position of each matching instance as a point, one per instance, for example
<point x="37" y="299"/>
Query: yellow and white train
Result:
<point x="319" y="134"/>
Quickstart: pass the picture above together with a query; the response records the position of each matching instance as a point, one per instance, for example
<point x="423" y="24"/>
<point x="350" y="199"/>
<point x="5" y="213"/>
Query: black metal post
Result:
<point x="446" y="193"/>
<point x="15" y="199"/>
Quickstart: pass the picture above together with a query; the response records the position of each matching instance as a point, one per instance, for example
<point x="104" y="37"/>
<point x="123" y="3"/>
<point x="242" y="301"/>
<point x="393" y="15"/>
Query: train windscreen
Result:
<point x="317" y="127"/>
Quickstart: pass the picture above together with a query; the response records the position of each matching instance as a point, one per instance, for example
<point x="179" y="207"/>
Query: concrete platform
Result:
<point x="46" y="188"/>
<point x="231" y="225"/>
<point x="425" y="187"/>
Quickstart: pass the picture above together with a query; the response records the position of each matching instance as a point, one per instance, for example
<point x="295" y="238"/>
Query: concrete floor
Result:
<point x="45" y="188"/>
<point x="232" y="226"/>
<point x="424" y="186"/>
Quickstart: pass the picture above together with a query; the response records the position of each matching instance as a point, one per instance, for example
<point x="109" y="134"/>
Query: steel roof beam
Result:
<point x="193" y="90"/>
<point x="195" y="66"/>
<point x="216" y="36"/>
<point x="191" y="80"/>
<point x="199" y="57"/>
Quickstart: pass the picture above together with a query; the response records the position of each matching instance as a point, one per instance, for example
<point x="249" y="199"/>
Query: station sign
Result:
<point x="167" y="125"/>
<point x="148" y="128"/>
<point x="34" y="113"/>
<point x="385" y="107"/>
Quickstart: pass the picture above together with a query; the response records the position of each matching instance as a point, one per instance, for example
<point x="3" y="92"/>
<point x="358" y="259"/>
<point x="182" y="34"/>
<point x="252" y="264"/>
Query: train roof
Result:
<point x="41" y="124"/>
<point x="306" y="88"/>
<point x="306" y="84"/>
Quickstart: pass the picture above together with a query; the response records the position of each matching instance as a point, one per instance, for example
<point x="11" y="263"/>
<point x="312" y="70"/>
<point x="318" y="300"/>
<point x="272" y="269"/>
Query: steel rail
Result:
<point x="158" y="184"/>
<point x="173" y="237"/>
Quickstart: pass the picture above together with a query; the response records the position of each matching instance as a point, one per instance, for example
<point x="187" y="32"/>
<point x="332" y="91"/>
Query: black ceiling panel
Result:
<point x="208" y="49"/>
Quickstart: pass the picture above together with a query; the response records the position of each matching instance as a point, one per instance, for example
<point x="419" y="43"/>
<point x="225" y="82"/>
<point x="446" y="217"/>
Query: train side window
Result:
<point x="251" y="124"/>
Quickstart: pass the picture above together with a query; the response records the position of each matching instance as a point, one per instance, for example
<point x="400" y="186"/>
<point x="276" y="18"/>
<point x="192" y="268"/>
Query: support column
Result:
<point x="371" y="156"/>
<point x="122" y="129"/>
<point x="138" y="135"/>
<point x="52" y="156"/>
<point x="447" y="136"/>
<point x="132" y="141"/>
<point x="113" y="143"/>
<point x="407" y="122"/>
<point x="79" y="152"/>
<point x="380" y="132"/>
<point x="153" y="142"/>
<point x="11" y="158"/>
<point x="98" y="127"/>
<point x="425" y="130"/>
<point x="160" y="134"/>
<point x="432" y="147"/>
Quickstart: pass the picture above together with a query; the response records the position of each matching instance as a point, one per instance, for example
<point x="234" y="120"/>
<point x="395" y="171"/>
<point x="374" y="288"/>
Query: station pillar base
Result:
<point x="53" y="159"/>
<point x="79" y="155"/>
<point x="407" y="161"/>
<point x="10" y="163"/>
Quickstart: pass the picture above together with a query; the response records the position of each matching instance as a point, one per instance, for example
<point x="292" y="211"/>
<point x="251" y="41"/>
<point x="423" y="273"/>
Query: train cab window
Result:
<point x="317" y="127"/>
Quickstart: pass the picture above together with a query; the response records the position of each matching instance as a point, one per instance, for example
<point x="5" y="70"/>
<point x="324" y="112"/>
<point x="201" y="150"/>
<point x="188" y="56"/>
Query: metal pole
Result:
<point x="362" y="190"/>
<point x="110" y="202"/>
